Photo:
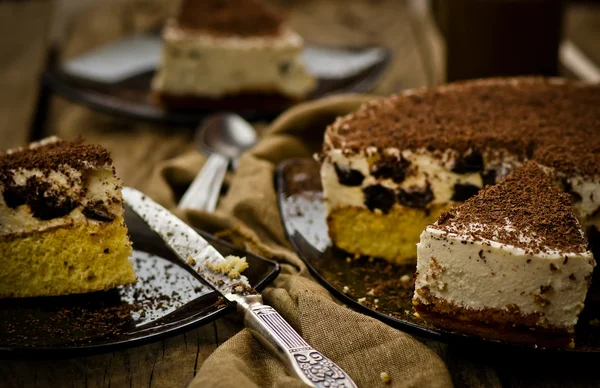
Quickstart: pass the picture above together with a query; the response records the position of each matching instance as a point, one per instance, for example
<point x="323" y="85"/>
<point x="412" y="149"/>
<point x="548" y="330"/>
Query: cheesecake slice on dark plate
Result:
<point x="511" y="263"/>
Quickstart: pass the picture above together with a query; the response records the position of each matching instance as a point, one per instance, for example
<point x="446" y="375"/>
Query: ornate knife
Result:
<point x="300" y="359"/>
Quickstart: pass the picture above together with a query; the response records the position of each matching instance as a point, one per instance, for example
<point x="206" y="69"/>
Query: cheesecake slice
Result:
<point x="510" y="263"/>
<point x="61" y="221"/>
<point x="391" y="167"/>
<point x="216" y="49"/>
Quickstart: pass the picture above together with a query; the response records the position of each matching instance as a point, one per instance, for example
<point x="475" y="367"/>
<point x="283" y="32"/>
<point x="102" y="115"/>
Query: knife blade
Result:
<point x="263" y="321"/>
<point x="188" y="245"/>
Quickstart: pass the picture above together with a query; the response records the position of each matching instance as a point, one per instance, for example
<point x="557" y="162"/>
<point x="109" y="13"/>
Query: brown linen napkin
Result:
<point x="248" y="216"/>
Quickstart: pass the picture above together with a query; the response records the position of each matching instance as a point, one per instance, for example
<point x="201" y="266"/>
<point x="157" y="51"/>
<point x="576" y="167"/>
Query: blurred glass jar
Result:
<point x="486" y="38"/>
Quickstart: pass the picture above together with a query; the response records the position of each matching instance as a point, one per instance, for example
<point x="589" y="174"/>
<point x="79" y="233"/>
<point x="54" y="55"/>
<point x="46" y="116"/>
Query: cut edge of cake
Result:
<point x="62" y="229"/>
<point x="509" y="264"/>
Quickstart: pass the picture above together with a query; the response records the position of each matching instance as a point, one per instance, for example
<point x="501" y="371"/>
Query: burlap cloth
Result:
<point x="248" y="216"/>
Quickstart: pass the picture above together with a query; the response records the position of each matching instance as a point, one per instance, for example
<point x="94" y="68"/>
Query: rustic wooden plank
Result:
<point x="21" y="63"/>
<point x="468" y="370"/>
<point x="17" y="374"/>
<point x="168" y="363"/>
<point x="548" y="371"/>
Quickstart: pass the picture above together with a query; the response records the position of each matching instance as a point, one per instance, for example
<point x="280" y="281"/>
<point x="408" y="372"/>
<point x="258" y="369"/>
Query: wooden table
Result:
<point x="24" y="32"/>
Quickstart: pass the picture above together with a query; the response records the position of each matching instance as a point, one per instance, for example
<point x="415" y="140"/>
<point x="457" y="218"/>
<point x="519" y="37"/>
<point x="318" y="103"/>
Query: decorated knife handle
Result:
<point x="299" y="358"/>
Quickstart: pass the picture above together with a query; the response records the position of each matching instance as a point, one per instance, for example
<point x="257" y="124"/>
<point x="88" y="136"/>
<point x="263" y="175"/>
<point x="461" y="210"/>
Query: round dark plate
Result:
<point x="132" y="97"/>
<point x="168" y="299"/>
<point x="349" y="279"/>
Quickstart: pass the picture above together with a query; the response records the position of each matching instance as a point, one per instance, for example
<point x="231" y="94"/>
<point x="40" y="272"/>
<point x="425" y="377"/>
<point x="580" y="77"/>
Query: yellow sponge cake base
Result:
<point x="353" y="229"/>
<point x="66" y="260"/>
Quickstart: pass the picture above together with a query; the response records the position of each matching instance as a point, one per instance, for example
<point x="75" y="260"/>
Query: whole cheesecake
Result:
<point x="217" y="49"/>
<point x="61" y="221"/>
<point x="390" y="168"/>
<point x="511" y="263"/>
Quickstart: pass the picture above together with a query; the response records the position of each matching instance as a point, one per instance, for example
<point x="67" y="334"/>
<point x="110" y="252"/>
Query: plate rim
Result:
<point x="430" y="333"/>
<point x="61" y="352"/>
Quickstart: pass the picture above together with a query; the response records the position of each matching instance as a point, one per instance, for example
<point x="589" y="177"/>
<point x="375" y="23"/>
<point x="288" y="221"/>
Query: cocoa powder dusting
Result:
<point x="525" y="210"/>
<point x="554" y="123"/>
<point x="51" y="156"/>
<point x="230" y="17"/>
<point x="46" y="201"/>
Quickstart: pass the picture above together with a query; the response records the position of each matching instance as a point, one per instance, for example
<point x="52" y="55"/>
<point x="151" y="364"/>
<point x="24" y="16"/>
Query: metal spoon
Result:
<point x="225" y="137"/>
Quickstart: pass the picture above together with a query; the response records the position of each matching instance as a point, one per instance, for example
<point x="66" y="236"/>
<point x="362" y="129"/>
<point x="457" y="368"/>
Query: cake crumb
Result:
<point x="376" y="301"/>
<point x="371" y="292"/>
<point x="346" y="289"/>
<point x="362" y="300"/>
<point x="348" y="259"/>
<point x="191" y="261"/>
<point x="385" y="377"/>
<point x="405" y="280"/>
<point x="231" y="266"/>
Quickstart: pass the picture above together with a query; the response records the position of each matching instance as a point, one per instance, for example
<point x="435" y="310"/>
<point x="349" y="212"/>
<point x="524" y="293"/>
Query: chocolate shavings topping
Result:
<point x="525" y="210"/>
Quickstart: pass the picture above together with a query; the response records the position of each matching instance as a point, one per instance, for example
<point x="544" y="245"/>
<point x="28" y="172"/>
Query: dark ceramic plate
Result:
<point x="303" y="215"/>
<point x="131" y="96"/>
<point x="167" y="300"/>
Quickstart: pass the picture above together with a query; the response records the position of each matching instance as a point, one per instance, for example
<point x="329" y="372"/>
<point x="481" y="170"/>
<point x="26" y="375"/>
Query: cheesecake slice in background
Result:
<point x="61" y="221"/>
<point x="510" y="263"/>
<point x="214" y="49"/>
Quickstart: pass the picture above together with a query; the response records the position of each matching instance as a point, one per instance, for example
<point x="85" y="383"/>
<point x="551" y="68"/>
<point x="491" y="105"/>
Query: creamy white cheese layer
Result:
<point x="435" y="169"/>
<point x="426" y="168"/>
<point x="588" y="208"/>
<point x="490" y="275"/>
<point x="87" y="186"/>
<point x="205" y="65"/>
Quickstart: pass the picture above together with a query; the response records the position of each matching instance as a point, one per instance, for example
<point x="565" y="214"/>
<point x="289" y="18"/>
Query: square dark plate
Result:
<point x="303" y="214"/>
<point x="167" y="299"/>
